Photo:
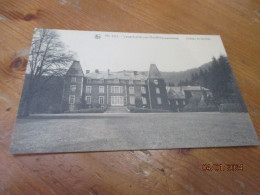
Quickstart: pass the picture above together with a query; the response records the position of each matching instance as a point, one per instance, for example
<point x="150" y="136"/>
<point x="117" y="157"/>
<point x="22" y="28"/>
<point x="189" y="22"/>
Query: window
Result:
<point x="131" y="90"/>
<point x="183" y="102"/>
<point x="116" y="89"/>
<point x="101" y="99"/>
<point x="73" y="79"/>
<point x="102" y="80"/>
<point x="88" y="80"/>
<point x="116" y="81"/>
<point x="131" y="81"/>
<point x="132" y="100"/>
<point x="155" y="82"/>
<point x="117" y="100"/>
<point x="72" y="99"/>
<point x="177" y="103"/>
<point x="143" y="82"/>
<point x="159" y="100"/>
<point x="88" y="89"/>
<point x="144" y="100"/>
<point x="101" y="89"/>
<point x="73" y="88"/>
<point x="143" y="90"/>
<point x="88" y="99"/>
<point x="157" y="90"/>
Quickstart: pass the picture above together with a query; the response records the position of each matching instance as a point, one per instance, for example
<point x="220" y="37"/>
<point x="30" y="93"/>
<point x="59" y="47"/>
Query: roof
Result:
<point x="122" y="75"/>
<point x="178" y="92"/>
<point x="175" y="93"/>
<point x="75" y="69"/>
<point x="154" y="73"/>
<point x="194" y="88"/>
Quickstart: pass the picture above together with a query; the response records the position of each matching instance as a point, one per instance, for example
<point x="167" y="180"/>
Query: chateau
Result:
<point x="107" y="88"/>
<point x="125" y="88"/>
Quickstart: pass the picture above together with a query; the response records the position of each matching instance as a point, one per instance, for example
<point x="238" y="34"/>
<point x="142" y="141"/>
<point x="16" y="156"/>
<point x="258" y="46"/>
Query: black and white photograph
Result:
<point x="104" y="91"/>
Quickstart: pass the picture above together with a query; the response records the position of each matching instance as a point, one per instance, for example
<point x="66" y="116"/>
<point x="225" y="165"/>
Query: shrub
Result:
<point x="89" y="110"/>
<point x="200" y="108"/>
<point x="208" y="108"/>
<point x="138" y="102"/>
<point x="55" y="109"/>
<point x="190" y="108"/>
<point x="231" y="107"/>
<point x="134" y="109"/>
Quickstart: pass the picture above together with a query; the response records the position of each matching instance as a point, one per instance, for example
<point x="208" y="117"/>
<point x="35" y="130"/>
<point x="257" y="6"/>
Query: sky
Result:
<point x="136" y="51"/>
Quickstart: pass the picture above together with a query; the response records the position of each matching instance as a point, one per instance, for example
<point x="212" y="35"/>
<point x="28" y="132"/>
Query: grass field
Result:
<point x="126" y="131"/>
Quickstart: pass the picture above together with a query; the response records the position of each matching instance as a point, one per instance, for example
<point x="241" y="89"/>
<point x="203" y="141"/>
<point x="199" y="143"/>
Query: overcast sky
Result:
<point x="136" y="51"/>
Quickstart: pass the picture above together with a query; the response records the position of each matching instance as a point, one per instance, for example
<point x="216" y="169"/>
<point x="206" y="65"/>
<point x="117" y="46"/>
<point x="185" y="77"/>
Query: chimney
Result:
<point x="87" y="71"/>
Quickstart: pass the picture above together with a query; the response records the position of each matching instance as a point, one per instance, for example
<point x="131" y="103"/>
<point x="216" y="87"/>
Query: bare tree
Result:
<point x="47" y="59"/>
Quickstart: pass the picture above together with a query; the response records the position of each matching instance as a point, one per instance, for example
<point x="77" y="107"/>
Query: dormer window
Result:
<point x="155" y="82"/>
<point x="116" y="80"/>
<point x="73" y="79"/>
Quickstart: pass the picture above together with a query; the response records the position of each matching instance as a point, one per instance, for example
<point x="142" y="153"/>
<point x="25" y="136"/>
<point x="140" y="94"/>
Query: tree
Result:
<point x="138" y="102"/>
<point x="220" y="81"/>
<point x="48" y="58"/>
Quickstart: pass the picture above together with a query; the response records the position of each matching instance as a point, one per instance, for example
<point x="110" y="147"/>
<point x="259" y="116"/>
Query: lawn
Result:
<point x="130" y="131"/>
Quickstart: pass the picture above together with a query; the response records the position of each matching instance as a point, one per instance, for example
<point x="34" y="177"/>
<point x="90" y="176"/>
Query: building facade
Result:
<point x="127" y="88"/>
<point x="105" y="89"/>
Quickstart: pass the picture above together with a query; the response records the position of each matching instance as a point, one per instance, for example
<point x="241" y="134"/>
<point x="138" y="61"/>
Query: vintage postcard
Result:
<point x="103" y="91"/>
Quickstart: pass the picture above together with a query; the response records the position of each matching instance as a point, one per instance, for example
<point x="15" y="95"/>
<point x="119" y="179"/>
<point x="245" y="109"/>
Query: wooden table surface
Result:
<point x="177" y="171"/>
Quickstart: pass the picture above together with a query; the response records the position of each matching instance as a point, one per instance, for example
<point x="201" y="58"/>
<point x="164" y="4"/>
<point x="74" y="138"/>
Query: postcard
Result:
<point x="105" y="91"/>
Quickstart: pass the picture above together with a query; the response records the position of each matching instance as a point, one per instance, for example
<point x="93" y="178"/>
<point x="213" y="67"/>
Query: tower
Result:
<point x="73" y="87"/>
<point x="157" y="89"/>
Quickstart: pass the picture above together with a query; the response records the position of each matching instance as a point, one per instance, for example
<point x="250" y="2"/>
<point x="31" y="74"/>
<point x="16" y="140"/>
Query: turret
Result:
<point x="73" y="87"/>
<point x="157" y="89"/>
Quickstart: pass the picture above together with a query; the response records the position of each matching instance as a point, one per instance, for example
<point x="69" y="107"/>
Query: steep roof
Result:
<point x="127" y="75"/>
<point x="154" y="73"/>
<point x="75" y="69"/>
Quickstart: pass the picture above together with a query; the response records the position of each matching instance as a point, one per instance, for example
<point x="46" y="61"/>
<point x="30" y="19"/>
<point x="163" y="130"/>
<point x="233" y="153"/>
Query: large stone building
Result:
<point x="128" y="88"/>
<point x="105" y="89"/>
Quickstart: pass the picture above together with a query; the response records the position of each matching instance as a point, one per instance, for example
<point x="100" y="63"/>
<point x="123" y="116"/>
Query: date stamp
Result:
<point x="222" y="167"/>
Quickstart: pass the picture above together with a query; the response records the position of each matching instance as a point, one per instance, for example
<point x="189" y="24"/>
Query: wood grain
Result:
<point x="175" y="171"/>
